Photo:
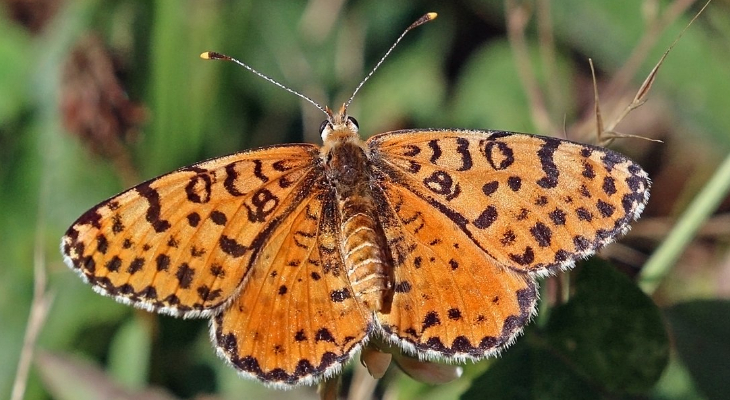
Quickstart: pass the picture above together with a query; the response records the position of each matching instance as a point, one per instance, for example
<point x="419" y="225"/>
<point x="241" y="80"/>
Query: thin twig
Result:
<point x="42" y="301"/>
<point x="643" y="92"/>
<point x="596" y="103"/>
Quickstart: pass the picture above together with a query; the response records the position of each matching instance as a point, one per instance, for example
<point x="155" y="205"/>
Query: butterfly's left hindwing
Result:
<point x="298" y="319"/>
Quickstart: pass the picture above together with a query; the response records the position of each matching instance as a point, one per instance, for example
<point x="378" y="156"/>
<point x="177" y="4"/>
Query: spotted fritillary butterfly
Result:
<point x="430" y="240"/>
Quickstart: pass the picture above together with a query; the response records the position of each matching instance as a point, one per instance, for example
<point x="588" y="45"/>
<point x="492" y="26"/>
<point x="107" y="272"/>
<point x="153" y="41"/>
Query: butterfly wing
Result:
<point x="450" y="300"/>
<point x="180" y="244"/>
<point x="297" y="319"/>
<point x="531" y="203"/>
<point x="472" y="216"/>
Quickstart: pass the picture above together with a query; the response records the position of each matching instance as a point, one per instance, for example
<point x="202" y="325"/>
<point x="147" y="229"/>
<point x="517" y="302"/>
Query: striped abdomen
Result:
<point x="362" y="249"/>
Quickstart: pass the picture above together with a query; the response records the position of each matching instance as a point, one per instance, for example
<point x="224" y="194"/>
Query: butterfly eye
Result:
<point x="323" y="125"/>
<point x="354" y="121"/>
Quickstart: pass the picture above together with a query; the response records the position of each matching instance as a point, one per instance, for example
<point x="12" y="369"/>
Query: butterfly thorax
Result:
<point x="361" y="238"/>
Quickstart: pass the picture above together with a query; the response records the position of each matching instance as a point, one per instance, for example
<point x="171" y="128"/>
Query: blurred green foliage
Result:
<point x="458" y="71"/>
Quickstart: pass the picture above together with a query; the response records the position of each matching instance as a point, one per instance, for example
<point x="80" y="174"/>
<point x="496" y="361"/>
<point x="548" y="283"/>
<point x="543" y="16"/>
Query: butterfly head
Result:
<point x="338" y="125"/>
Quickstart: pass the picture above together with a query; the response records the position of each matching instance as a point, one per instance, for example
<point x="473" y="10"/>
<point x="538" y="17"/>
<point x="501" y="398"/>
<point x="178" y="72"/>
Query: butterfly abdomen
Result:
<point x="362" y="241"/>
<point x="362" y="249"/>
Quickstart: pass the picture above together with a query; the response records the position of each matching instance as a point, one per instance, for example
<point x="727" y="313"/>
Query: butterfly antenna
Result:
<point x="211" y="55"/>
<point x="426" y="18"/>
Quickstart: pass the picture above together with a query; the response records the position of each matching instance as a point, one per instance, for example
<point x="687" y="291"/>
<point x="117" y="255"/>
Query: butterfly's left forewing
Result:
<point x="179" y="244"/>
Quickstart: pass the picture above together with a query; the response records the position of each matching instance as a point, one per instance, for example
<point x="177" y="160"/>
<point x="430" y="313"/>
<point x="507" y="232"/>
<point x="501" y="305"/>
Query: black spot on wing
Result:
<point x="412" y="150"/>
<point x="185" y="275"/>
<point x="324" y="335"/>
<point x="526" y="258"/>
<point x="163" y="262"/>
<point x="117" y="225"/>
<point x="338" y="296"/>
<point x="300" y="336"/>
<point x="583" y="214"/>
<point x="610" y="159"/>
<point x="113" y="264"/>
<point x="609" y="185"/>
<point x="258" y="172"/>
<point x="508" y="238"/>
<point x="218" y="217"/>
<point x="102" y="244"/>
<point x="588" y="171"/>
<point x="541" y="201"/>
<point x="197" y="252"/>
<point x="545" y="154"/>
<point x="463" y="149"/>
<point x="486" y="218"/>
<point x="605" y="209"/>
<point x="431" y="319"/>
<point x="230" y="182"/>
<point x="193" y="219"/>
<point x="514" y="183"/>
<point x="198" y="189"/>
<point x="558" y="217"/>
<point x="217" y="271"/>
<point x="231" y="247"/>
<point x="206" y="294"/>
<point x="490" y="187"/>
<point x="581" y="243"/>
<point x="542" y="234"/>
<point x="435" y="150"/>
<point x="136" y="265"/>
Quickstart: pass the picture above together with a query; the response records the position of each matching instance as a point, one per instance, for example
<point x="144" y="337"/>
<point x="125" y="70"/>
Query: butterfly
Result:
<point x="430" y="240"/>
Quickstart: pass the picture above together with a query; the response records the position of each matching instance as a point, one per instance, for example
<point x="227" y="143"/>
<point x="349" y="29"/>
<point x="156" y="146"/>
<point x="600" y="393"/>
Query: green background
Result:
<point x="612" y="335"/>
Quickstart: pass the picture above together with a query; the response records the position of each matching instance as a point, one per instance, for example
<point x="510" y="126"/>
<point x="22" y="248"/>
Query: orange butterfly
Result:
<point x="430" y="240"/>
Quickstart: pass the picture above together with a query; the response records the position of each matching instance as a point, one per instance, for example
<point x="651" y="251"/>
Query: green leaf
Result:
<point x="527" y="372"/>
<point x="490" y="93"/>
<point x="701" y="330"/>
<point x="130" y="353"/>
<point x="608" y="340"/>
<point x="486" y="96"/>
